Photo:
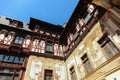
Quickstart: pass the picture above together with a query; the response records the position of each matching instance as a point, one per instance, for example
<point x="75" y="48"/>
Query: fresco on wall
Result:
<point x="36" y="69"/>
<point x="38" y="65"/>
<point x="60" y="72"/>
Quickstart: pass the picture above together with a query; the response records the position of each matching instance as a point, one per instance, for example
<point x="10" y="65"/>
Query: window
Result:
<point x="16" y="60"/>
<point x="19" y="40"/>
<point x="90" y="8"/>
<point x="26" y="41"/>
<point x="21" y="60"/>
<point x="9" y="38"/>
<point x="68" y="40"/>
<point x="38" y="46"/>
<point x="87" y="17"/>
<point x="36" y="29"/>
<point x="76" y="34"/>
<point x="49" y="47"/>
<point x="1" y="57"/>
<point x="6" y="58"/>
<point x="77" y="27"/>
<point x="81" y="22"/>
<point x="35" y="45"/>
<point x="108" y="46"/>
<point x="11" y="58"/>
<point x="87" y="64"/>
<point x="72" y="73"/>
<point x="42" y="46"/>
<point x="8" y="74"/>
<point x="56" y="49"/>
<point x="48" y="75"/>
<point x="2" y="34"/>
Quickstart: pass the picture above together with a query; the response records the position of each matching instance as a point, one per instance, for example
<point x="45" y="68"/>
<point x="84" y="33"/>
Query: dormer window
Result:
<point x="90" y="8"/>
<point x="14" y="23"/>
<point x="53" y="35"/>
<point x="36" y="29"/>
<point x="41" y="32"/>
<point x="47" y="33"/>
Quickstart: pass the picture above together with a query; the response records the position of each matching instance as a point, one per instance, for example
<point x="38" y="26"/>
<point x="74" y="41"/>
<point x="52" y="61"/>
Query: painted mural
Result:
<point x="37" y="66"/>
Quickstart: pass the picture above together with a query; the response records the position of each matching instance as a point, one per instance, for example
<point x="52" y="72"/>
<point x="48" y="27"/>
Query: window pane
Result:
<point x="48" y="75"/>
<point x="1" y="70"/>
<point x="87" y="17"/>
<point x="113" y="47"/>
<point x="11" y="59"/>
<point x="88" y="66"/>
<point x="3" y="77"/>
<point x="49" y="47"/>
<point x="9" y="77"/>
<point x="21" y="60"/>
<point x="16" y="59"/>
<point x="2" y="36"/>
<point x="16" y="78"/>
<point x="17" y="71"/>
<point x="17" y="39"/>
<point x="11" y="71"/>
<point x="6" y="70"/>
<point x="108" y="52"/>
<point x="1" y="57"/>
<point x="20" y="40"/>
<point x="6" y="58"/>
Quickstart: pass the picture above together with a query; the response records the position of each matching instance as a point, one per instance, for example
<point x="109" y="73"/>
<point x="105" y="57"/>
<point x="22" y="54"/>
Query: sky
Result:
<point x="52" y="11"/>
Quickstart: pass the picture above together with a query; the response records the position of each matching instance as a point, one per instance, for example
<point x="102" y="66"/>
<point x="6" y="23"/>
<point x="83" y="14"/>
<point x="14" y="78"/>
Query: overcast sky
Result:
<point x="52" y="11"/>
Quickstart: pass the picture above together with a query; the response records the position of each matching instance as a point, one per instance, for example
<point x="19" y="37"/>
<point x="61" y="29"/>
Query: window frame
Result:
<point x="107" y="47"/>
<point x="85" y="60"/>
